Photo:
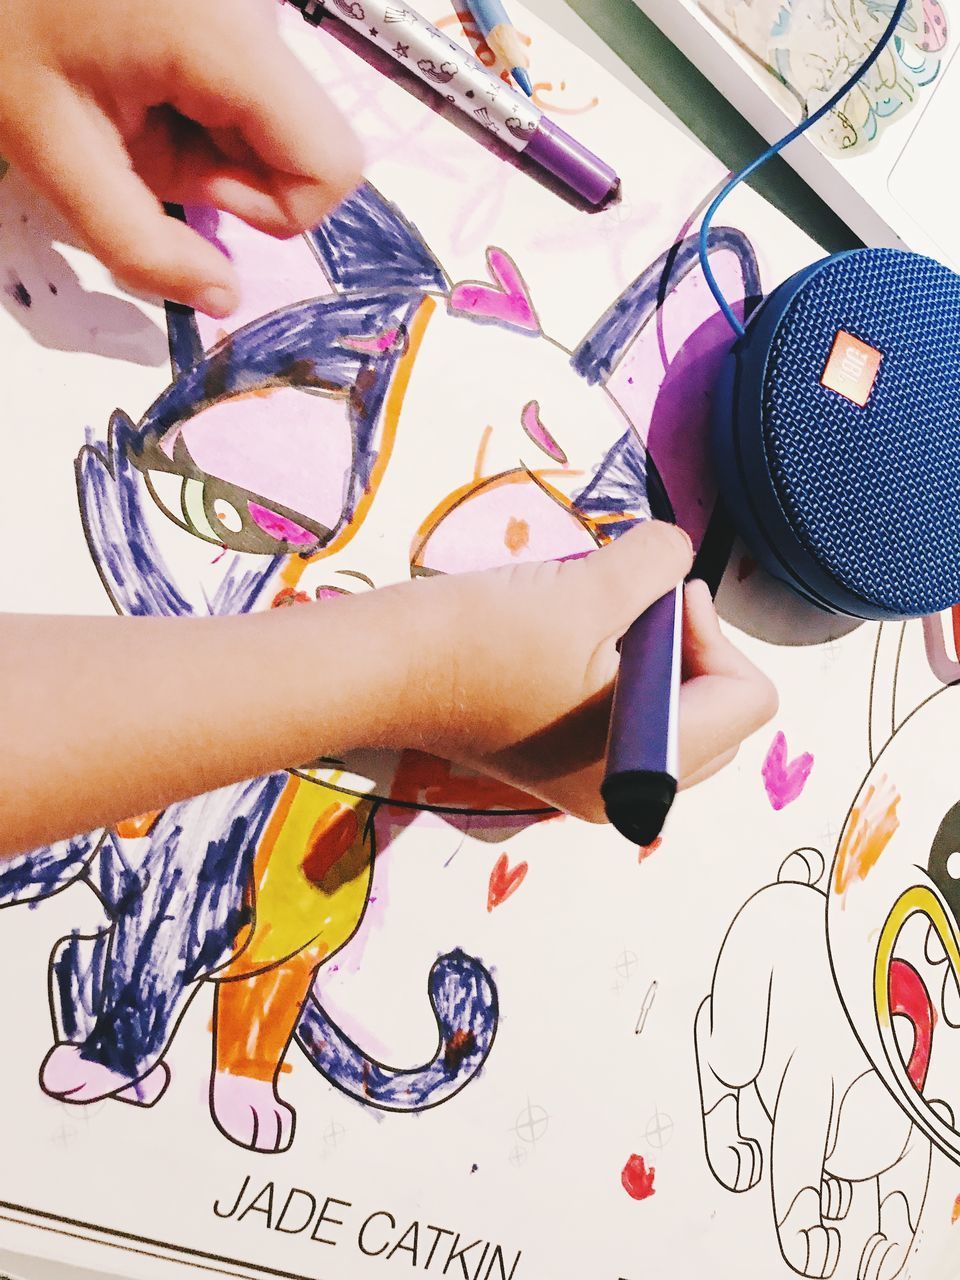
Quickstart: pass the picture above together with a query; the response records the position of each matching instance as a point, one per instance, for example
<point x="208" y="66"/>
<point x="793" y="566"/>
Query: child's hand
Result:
<point x="515" y="668"/>
<point x="111" y="106"/>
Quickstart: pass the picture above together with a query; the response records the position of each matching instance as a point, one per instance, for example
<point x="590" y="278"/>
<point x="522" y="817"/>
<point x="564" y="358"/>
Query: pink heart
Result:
<point x="506" y="303"/>
<point x="784" y="779"/>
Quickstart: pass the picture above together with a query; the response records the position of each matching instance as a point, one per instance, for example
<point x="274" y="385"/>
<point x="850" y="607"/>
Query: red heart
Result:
<point x="504" y="881"/>
<point x="637" y="1179"/>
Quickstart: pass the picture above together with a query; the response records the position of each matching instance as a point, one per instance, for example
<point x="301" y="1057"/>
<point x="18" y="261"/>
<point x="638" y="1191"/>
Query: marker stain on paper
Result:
<point x="637" y="1179"/>
<point x="955" y="1213"/>
<point x="538" y="433"/>
<point x="872" y="825"/>
<point x="644" y="851"/>
<point x="19" y="293"/>
<point x="504" y="880"/>
<point x="543" y="87"/>
<point x="783" y="778"/>
<point x="505" y="301"/>
<point x="517" y="535"/>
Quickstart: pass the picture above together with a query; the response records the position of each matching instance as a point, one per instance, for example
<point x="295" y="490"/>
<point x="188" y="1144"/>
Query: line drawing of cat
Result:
<point x="835" y="999"/>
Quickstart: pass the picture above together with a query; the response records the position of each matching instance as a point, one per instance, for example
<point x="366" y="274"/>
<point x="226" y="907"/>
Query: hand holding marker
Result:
<point x="642" y="754"/>
<point x="503" y="38"/>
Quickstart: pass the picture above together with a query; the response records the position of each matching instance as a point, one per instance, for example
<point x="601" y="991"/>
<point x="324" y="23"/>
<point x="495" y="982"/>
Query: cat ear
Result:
<point x="658" y="349"/>
<point x="367" y="243"/>
<point x="273" y="274"/>
<point x="615" y="332"/>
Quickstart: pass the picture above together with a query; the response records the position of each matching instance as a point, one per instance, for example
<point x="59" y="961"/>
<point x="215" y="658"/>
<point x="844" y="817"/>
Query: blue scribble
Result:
<point x="464" y="1003"/>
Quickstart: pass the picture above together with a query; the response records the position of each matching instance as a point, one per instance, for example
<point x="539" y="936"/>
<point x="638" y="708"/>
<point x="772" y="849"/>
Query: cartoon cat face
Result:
<point x="396" y="426"/>
<point x="894" y="916"/>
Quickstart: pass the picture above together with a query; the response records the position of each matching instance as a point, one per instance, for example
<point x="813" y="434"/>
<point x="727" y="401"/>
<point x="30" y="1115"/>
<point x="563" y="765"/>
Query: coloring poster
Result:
<point x="459" y="1036"/>
<point x="810" y="47"/>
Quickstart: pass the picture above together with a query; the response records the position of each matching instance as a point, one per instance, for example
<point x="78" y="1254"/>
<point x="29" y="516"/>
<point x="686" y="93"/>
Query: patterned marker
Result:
<point x="413" y="42"/>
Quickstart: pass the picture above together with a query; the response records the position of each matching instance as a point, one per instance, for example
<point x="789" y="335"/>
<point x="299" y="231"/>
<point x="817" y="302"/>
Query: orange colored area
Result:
<point x="255" y="1017"/>
<point x="504" y="881"/>
<point x="851" y="368"/>
<point x="548" y="104"/>
<point x="134" y="828"/>
<point x="872" y="825"/>
<point x="424" y="780"/>
<point x="287" y="597"/>
<point x="331" y="837"/>
<point x="955" y="1214"/>
<point x="310" y="877"/>
<point x="482" y="453"/>
<point x="644" y="851"/>
<point x="517" y="535"/>
<point x="310" y="882"/>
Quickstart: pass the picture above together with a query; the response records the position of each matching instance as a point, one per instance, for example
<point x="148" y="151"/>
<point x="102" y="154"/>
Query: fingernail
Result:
<point x="686" y="537"/>
<point x="217" y="301"/>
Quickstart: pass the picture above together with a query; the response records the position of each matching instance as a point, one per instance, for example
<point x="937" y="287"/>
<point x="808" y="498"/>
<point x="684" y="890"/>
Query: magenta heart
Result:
<point x="505" y="302"/>
<point x="784" y="779"/>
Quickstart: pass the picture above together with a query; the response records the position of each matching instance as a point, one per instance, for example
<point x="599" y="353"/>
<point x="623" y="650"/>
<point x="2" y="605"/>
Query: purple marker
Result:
<point x="414" y="43"/>
<point x="642" y="752"/>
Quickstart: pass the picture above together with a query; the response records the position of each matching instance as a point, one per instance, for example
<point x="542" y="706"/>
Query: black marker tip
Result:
<point x="637" y="804"/>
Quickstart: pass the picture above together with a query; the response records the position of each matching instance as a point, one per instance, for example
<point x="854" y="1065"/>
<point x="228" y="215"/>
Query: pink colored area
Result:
<point x="67" y="1075"/>
<point x="250" y="1112"/>
<point x="665" y="384"/>
<point x="538" y="433"/>
<point x="376" y="345"/>
<point x="934" y="27"/>
<point x="290" y="447"/>
<point x="504" y="524"/>
<point x="273" y="273"/>
<point x="784" y="779"/>
<point x="279" y="527"/>
<point x="506" y="300"/>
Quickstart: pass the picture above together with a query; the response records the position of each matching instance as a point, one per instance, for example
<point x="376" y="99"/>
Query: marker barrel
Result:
<point x="642" y="752"/>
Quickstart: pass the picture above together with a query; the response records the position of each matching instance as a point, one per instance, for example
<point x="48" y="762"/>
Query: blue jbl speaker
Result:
<point x="837" y="434"/>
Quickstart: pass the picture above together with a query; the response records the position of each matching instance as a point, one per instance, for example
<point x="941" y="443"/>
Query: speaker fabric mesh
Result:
<point x="873" y="493"/>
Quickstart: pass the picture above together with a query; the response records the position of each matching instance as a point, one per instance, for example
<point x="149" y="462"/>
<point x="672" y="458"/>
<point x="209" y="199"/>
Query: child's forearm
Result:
<point x="105" y="718"/>
<point x="508" y="671"/>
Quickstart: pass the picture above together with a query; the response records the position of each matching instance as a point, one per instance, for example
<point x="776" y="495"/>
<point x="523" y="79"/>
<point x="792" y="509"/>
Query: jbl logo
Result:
<point x="851" y="368"/>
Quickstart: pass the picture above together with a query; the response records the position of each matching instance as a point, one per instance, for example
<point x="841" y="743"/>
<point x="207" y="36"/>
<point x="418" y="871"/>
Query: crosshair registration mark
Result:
<point x="531" y="1123"/>
<point x="659" y="1129"/>
<point x="333" y="1135"/>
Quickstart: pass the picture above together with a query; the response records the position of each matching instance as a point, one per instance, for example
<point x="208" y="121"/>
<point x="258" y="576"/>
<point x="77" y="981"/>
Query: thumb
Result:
<point x="621" y="580"/>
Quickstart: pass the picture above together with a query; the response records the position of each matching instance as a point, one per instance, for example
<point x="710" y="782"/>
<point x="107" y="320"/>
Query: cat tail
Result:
<point x="464" y="1001"/>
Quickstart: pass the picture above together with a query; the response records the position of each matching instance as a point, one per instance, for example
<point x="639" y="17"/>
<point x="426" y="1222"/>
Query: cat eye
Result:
<point x="229" y="517"/>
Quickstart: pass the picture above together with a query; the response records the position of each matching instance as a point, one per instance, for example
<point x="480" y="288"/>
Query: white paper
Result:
<point x="600" y="955"/>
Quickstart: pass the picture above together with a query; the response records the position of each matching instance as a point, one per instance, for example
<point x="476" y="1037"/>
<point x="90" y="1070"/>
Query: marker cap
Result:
<point x="572" y="163"/>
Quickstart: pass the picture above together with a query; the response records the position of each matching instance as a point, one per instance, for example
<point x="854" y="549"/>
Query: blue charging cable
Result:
<point x="777" y="147"/>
